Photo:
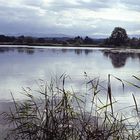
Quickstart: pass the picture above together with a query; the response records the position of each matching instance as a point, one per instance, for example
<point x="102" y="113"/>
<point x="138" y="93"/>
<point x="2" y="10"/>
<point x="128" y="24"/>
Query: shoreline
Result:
<point x="83" y="47"/>
<point x="71" y="45"/>
<point x="54" y="45"/>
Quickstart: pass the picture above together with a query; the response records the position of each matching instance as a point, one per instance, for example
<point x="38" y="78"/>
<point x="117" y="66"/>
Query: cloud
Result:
<point x="131" y="5"/>
<point x="74" y="17"/>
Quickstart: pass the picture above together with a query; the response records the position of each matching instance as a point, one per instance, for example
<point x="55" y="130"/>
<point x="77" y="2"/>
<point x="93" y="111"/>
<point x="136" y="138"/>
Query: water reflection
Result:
<point x="6" y="49"/>
<point x="26" y="50"/>
<point x="119" y="59"/>
<point x="31" y="50"/>
<point x="80" y="51"/>
<point x="21" y="66"/>
<point x="18" y="49"/>
<point x="77" y="51"/>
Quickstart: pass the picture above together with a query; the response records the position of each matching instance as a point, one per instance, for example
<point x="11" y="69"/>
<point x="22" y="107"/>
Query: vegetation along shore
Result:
<point x="118" y="38"/>
<point x="60" y="114"/>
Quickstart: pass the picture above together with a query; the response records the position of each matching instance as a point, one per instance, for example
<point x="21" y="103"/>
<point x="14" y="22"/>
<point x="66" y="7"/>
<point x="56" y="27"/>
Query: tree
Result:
<point x="78" y="40"/>
<point x="135" y="42"/>
<point x="20" y="39"/>
<point x="118" y="37"/>
<point x="88" y="40"/>
<point x="41" y="40"/>
<point x="29" y="40"/>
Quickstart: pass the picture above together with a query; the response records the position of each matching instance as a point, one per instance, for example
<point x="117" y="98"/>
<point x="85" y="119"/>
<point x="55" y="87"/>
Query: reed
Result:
<point x="61" y="114"/>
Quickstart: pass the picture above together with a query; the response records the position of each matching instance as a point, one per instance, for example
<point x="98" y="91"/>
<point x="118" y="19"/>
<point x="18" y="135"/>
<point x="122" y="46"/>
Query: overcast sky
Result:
<point x="69" y="17"/>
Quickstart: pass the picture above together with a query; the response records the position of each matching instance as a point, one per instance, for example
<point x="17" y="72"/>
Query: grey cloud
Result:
<point x="107" y="26"/>
<point x="131" y="4"/>
<point x="92" y="5"/>
<point x="26" y="18"/>
<point x="32" y="2"/>
<point x="62" y="5"/>
<point x="98" y="5"/>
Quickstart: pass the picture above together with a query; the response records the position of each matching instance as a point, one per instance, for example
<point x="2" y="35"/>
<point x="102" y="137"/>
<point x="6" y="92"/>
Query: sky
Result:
<point x="69" y="17"/>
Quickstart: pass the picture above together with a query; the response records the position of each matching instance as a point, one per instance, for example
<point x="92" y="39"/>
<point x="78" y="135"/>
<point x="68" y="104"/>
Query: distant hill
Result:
<point x="47" y="35"/>
<point x="40" y="35"/>
<point x="137" y="36"/>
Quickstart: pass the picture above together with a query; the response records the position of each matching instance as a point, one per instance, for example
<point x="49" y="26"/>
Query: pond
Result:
<point x="22" y="66"/>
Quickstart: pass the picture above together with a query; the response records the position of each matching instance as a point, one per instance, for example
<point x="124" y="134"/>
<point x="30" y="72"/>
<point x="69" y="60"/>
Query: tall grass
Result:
<point x="60" y="114"/>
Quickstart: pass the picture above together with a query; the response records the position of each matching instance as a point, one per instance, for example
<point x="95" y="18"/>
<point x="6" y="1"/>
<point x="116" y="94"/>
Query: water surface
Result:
<point x="22" y="67"/>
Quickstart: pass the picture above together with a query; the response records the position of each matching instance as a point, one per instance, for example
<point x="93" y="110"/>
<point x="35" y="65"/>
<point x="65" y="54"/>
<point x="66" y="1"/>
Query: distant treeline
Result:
<point x="28" y="40"/>
<point x="118" y="37"/>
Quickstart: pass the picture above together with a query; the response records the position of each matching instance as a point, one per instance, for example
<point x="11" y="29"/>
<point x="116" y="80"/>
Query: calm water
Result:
<point x="22" y="67"/>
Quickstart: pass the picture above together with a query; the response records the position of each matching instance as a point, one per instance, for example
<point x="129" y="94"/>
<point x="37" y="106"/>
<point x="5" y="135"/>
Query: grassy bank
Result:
<point x="60" y="114"/>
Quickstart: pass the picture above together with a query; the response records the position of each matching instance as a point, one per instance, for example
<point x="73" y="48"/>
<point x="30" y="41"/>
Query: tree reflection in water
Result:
<point x="77" y="51"/>
<point x="80" y="51"/>
<point x="26" y="50"/>
<point x="31" y="50"/>
<point x="119" y="59"/>
<point x="6" y="49"/>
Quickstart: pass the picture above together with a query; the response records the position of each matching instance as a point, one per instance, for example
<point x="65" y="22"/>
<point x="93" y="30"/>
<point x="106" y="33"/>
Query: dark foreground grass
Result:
<point x="60" y="114"/>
